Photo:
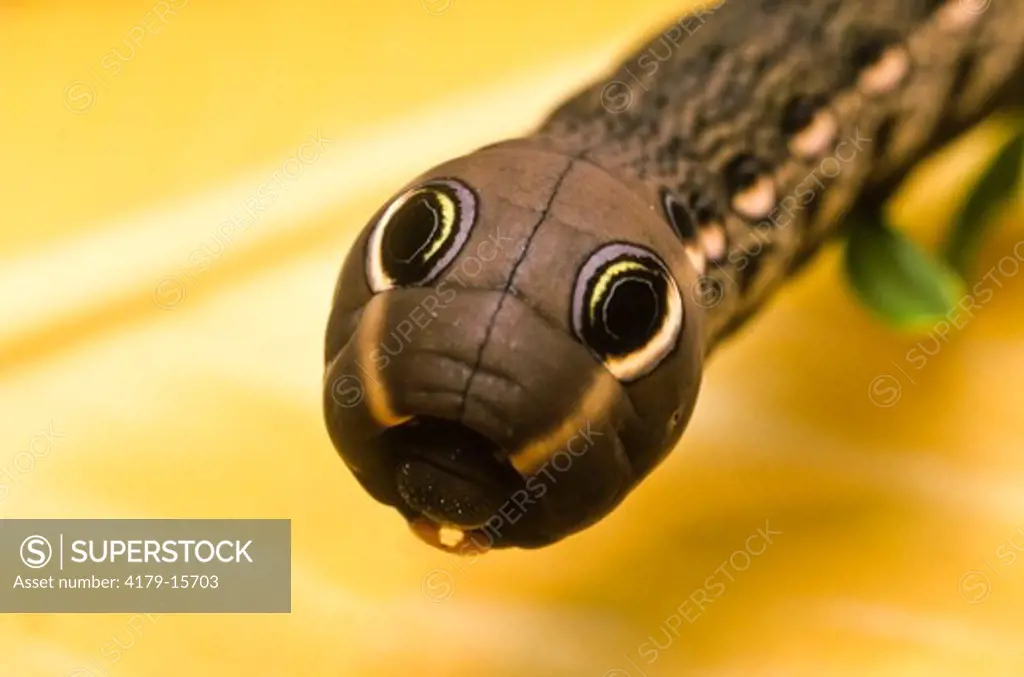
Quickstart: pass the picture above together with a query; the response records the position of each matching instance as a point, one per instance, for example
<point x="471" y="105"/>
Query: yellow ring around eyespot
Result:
<point x="448" y="215"/>
<point x="376" y="271"/>
<point x="608" y="277"/>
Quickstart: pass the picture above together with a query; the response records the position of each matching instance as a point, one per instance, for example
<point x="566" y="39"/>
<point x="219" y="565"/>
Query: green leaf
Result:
<point x="897" y="280"/>
<point x="1003" y="179"/>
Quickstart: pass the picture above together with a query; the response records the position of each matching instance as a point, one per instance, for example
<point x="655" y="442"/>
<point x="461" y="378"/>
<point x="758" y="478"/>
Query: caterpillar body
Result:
<point x="518" y="336"/>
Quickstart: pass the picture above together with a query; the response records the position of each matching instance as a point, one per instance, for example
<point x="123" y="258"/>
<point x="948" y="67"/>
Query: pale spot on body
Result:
<point x="817" y="138"/>
<point x="960" y="14"/>
<point x="757" y="201"/>
<point x="697" y="258"/>
<point x="887" y="73"/>
<point x="712" y="238"/>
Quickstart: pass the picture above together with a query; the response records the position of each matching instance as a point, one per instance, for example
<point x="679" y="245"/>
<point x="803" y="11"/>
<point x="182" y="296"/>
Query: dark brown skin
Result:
<point x="518" y="338"/>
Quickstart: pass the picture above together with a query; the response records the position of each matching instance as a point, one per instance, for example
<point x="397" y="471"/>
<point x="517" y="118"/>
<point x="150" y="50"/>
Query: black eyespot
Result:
<point x="419" y="234"/>
<point x="751" y="186"/>
<point x="627" y="309"/>
<point x="868" y="51"/>
<point x="799" y="113"/>
<point x="864" y="51"/>
<point x="680" y="216"/>
<point x="741" y="173"/>
<point x="704" y="209"/>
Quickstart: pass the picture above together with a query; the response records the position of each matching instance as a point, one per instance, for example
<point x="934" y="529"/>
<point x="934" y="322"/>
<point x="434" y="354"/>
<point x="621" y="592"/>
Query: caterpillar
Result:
<point x="517" y="337"/>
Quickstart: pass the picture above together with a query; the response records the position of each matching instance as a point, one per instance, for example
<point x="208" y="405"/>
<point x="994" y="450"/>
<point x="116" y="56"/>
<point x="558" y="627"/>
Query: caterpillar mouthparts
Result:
<point x="448" y="473"/>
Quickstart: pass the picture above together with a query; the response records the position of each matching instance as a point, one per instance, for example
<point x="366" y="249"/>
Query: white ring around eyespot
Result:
<point x="376" y="274"/>
<point x="640" y="362"/>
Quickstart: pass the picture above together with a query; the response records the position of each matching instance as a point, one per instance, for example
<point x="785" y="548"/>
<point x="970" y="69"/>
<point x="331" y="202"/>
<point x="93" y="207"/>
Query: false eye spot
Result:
<point x="685" y="226"/>
<point x="887" y="72"/>
<point x="696" y="223"/>
<point x="751" y="187"/>
<point x="876" y="62"/>
<point x="419" y="234"/>
<point x="799" y="113"/>
<point x="627" y="309"/>
<point x="680" y="216"/>
<point x="809" y="125"/>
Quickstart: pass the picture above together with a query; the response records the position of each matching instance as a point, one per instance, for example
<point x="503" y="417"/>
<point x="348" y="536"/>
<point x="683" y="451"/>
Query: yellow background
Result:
<point x="210" y="405"/>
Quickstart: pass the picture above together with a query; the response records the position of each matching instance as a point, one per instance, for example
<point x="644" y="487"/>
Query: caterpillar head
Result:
<point x="513" y="345"/>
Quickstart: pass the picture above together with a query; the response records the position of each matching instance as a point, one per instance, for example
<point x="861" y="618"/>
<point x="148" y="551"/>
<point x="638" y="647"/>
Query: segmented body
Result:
<point x="520" y="326"/>
<point x="762" y="123"/>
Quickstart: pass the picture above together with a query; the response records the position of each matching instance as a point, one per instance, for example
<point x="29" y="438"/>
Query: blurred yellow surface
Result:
<point x="187" y="389"/>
